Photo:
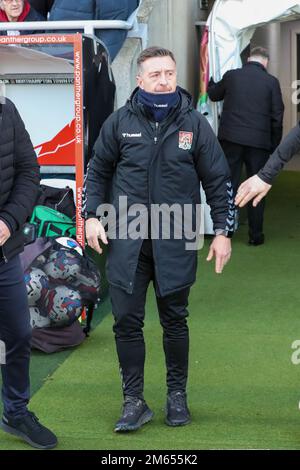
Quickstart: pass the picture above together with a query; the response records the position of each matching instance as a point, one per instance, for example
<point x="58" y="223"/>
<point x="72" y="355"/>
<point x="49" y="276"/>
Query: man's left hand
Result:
<point x="221" y="249"/>
<point x="253" y="187"/>
<point x="4" y="233"/>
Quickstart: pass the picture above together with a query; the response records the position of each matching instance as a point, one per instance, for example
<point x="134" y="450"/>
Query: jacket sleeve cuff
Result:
<point x="264" y="178"/>
<point x="90" y="215"/>
<point x="9" y="221"/>
<point x="226" y="233"/>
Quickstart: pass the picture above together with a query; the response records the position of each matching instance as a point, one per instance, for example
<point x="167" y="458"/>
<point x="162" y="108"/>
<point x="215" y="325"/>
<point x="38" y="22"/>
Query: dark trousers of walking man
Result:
<point x="254" y="159"/>
<point x="129" y="313"/>
<point x="19" y="182"/>
<point x="16" y="335"/>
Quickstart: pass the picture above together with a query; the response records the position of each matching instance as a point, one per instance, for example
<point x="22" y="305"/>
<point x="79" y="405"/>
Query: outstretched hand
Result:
<point x="253" y="187"/>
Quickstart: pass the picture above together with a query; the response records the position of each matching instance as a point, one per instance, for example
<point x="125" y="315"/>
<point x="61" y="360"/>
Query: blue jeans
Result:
<point x="15" y="332"/>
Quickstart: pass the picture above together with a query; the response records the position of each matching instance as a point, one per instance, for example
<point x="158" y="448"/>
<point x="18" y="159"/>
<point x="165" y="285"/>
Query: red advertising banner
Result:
<point x="43" y="75"/>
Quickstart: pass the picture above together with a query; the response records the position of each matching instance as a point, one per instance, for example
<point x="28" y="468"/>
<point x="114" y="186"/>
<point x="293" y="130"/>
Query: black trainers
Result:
<point x="30" y="430"/>
<point x="135" y="414"/>
<point x="177" y="412"/>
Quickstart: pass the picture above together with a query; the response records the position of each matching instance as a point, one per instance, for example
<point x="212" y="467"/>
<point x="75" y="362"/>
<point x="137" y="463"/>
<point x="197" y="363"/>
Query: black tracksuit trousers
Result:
<point x="129" y="313"/>
<point x="15" y="333"/>
<point x="254" y="159"/>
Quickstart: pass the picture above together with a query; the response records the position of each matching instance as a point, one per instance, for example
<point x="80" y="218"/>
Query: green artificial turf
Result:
<point x="243" y="388"/>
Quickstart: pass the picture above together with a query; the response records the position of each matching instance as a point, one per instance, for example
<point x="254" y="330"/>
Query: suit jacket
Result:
<point x="253" y="108"/>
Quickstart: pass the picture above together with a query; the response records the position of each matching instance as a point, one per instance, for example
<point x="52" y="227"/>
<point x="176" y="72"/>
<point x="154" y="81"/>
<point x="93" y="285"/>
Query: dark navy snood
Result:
<point x="159" y="104"/>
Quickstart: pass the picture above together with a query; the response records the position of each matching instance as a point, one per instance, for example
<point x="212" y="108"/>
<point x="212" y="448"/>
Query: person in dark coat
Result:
<point x="97" y="10"/>
<point x="18" y="11"/>
<point x="154" y="151"/>
<point x="19" y="183"/>
<point x="251" y="124"/>
<point x="43" y="7"/>
<point x="259" y="185"/>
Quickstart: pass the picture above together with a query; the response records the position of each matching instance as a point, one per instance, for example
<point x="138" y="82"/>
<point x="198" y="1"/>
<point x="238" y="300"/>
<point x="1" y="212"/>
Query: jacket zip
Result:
<point x="3" y="254"/>
<point x="156" y="133"/>
<point x="155" y="138"/>
<point x="149" y="195"/>
<point x="62" y="200"/>
<point x="155" y="256"/>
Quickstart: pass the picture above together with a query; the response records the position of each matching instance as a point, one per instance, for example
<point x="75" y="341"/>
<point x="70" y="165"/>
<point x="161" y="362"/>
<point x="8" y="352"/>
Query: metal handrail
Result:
<point x="132" y="25"/>
<point x="87" y="26"/>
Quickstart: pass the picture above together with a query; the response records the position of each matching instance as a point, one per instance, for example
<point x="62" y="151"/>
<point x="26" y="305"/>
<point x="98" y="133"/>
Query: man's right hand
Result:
<point x="94" y="231"/>
<point x="4" y="232"/>
<point x="253" y="187"/>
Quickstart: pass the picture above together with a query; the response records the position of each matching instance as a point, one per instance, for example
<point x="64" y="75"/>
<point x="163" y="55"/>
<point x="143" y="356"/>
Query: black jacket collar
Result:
<point x="256" y="64"/>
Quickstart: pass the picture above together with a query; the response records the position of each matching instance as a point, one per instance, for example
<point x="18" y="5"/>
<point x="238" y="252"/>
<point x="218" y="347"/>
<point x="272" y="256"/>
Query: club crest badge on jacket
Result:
<point x="185" y="140"/>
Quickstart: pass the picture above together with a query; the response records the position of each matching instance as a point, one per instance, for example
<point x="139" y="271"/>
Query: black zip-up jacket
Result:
<point x="283" y="153"/>
<point x="156" y="164"/>
<point x="19" y="176"/>
<point x="252" y="109"/>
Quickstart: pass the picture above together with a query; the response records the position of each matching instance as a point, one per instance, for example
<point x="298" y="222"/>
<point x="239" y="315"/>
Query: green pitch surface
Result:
<point x="243" y="387"/>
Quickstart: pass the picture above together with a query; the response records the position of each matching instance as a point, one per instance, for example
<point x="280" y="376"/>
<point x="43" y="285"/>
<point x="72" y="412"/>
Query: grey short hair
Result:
<point x="259" y="51"/>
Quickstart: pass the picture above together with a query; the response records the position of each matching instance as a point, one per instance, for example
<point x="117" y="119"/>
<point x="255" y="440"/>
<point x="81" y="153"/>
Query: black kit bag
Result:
<point x="60" y="199"/>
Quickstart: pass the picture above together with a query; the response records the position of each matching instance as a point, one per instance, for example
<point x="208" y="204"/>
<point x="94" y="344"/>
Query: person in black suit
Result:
<point x="250" y="125"/>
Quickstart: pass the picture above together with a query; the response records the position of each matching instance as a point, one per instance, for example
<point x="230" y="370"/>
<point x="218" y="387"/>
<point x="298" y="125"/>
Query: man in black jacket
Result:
<point x="154" y="152"/>
<point x="251" y="124"/>
<point x="19" y="182"/>
<point x="259" y="185"/>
